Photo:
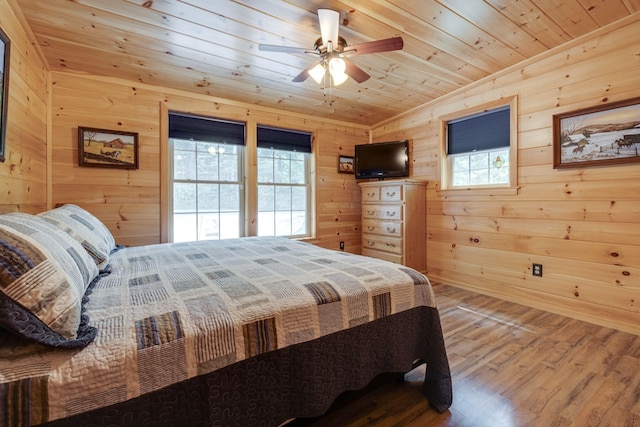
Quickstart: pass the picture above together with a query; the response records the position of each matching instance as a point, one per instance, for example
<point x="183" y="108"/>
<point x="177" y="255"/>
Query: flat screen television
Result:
<point x="382" y="160"/>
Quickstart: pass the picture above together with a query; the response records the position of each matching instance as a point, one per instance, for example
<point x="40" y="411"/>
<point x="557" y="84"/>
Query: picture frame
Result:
<point x="5" y="55"/>
<point x="345" y="164"/>
<point x="597" y="136"/>
<point x="103" y="148"/>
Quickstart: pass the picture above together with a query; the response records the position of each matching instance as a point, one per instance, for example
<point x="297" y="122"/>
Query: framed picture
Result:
<point x="345" y="164"/>
<point x="104" y="148"/>
<point x="597" y="136"/>
<point x="5" y="46"/>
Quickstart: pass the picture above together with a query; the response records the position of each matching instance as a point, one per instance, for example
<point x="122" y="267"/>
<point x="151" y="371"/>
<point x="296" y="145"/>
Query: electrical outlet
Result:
<point x="342" y="246"/>
<point x="536" y="270"/>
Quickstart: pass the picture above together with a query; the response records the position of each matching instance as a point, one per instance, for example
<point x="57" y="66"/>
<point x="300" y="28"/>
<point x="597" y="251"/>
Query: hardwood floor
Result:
<point x="511" y="366"/>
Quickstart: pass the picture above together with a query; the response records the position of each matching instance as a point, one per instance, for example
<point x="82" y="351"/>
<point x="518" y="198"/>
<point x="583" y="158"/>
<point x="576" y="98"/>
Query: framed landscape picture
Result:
<point x="597" y="136"/>
<point x="345" y="164"/>
<point x="4" y="90"/>
<point x="107" y="148"/>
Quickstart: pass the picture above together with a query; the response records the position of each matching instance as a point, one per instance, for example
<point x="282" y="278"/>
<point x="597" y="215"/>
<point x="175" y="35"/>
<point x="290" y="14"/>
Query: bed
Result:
<point x="250" y="331"/>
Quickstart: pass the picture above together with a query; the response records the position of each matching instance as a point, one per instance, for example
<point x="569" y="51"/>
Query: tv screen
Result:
<point x="382" y="160"/>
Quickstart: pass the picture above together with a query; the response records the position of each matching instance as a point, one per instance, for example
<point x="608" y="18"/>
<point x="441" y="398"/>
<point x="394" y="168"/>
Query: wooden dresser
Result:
<point x="394" y="221"/>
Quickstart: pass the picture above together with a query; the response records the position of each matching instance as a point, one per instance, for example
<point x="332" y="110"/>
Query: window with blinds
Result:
<point x="208" y="186"/>
<point x="478" y="148"/>
<point x="206" y="178"/>
<point x="283" y="182"/>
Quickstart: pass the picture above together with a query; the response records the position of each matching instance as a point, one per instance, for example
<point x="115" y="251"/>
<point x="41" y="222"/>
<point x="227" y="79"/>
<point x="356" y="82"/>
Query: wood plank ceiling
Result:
<point x="211" y="46"/>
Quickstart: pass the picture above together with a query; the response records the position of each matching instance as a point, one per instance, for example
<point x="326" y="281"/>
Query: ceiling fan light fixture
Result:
<point x="317" y="73"/>
<point x="338" y="79"/>
<point x="329" y="23"/>
<point x="337" y="68"/>
<point x="337" y="65"/>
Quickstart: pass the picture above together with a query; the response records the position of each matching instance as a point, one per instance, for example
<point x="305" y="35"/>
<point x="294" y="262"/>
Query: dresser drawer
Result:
<point x="370" y="194"/>
<point x="383" y="255"/>
<point x="390" y="212"/>
<point x="393" y="212"/>
<point x="387" y="228"/>
<point x="391" y="193"/>
<point x="382" y="243"/>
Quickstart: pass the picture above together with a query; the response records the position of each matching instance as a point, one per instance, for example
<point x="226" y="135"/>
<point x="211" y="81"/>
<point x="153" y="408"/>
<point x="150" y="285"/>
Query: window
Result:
<point x="208" y="184"/>
<point x="283" y="182"/>
<point x="480" y="168"/>
<point x="479" y="148"/>
<point x="206" y="179"/>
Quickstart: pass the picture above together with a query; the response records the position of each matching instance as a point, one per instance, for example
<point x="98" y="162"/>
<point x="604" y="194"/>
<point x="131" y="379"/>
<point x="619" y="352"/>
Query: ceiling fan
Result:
<point x="333" y="52"/>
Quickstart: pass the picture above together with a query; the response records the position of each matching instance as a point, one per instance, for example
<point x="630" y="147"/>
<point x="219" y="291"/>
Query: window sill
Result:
<point x="478" y="191"/>
<point x="307" y="239"/>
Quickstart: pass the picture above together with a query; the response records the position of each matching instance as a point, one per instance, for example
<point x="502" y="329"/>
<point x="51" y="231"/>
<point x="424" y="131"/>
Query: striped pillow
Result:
<point x="88" y="230"/>
<point x="43" y="277"/>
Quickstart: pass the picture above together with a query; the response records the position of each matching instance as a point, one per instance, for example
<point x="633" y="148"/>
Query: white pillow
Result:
<point x="85" y="228"/>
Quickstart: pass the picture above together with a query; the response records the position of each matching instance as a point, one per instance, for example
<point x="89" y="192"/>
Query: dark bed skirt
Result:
<point x="294" y="382"/>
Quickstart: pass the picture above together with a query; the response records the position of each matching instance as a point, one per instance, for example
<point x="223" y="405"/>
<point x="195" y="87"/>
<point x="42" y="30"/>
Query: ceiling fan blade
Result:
<point x="283" y="49"/>
<point x="305" y="73"/>
<point x="385" y="45"/>
<point x="355" y="72"/>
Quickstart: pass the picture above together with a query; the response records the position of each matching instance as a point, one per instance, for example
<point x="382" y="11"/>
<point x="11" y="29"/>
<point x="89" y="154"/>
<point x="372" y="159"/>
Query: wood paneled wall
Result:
<point x="582" y="224"/>
<point x="129" y="201"/>
<point x="23" y="175"/>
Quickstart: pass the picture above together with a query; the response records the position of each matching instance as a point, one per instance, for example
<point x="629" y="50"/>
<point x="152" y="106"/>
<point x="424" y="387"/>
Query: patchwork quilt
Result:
<point x="170" y="312"/>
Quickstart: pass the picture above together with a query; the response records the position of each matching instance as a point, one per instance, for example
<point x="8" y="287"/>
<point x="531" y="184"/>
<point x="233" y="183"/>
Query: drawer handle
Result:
<point x="370" y="228"/>
<point x="391" y="230"/>
<point x="371" y="212"/>
<point x="391" y="213"/>
<point x="370" y="243"/>
<point x="391" y="194"/>
<point x="391" y="245"/>
<point x="371" y="195"/>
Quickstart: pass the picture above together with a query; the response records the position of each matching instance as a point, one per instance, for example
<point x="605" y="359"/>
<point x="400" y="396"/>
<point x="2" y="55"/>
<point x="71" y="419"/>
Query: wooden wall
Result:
<point x="23" y="175"/>
<point x="582" y="224"/>
<point x="130" y="202"/>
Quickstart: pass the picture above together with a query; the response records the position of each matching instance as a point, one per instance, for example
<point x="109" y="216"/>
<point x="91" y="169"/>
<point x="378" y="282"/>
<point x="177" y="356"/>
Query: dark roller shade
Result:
<point x="484" y="131"/>
<point x="182" y="126"/>
<point x="284" y="139"/>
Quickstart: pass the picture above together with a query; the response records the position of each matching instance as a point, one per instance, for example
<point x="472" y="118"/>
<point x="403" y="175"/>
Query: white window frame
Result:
<point x="309" y="192"/>
<point x="172" y="181"/>
<point x="446" y="165"/>
<point x="249" y="183"/>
